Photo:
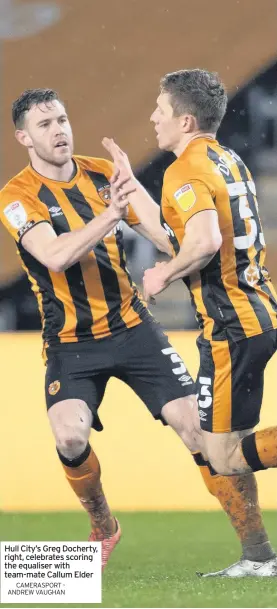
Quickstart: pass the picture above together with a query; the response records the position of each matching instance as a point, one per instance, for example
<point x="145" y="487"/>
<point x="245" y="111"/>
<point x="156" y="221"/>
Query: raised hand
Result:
<point x="121" y="188"/>
<point x="122" y="166"/>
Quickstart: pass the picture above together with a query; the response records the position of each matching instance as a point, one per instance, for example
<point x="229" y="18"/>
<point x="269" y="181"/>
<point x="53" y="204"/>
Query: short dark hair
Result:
<point x="29" y="98"/>
<point x="198" y="92"/>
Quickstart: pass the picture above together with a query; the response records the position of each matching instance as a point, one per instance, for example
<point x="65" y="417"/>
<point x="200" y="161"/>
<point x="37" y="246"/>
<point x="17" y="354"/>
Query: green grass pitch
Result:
<point x="155" y="563"/>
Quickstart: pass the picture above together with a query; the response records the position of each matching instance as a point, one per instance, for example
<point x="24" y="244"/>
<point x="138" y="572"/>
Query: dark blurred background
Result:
<point x="106" y="62"/>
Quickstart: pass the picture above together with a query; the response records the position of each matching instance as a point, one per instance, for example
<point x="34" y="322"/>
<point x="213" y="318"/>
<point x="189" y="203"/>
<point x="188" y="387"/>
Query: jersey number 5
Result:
<point x="246" y="241"/>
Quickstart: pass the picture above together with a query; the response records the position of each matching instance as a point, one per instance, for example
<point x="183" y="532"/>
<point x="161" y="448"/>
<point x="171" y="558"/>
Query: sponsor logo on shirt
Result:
<point x="55" y="211"/>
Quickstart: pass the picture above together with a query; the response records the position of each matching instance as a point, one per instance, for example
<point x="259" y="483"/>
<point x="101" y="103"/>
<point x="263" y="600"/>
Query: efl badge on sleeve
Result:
<point x="185" y="197"/>
<point x="16" y="214"/>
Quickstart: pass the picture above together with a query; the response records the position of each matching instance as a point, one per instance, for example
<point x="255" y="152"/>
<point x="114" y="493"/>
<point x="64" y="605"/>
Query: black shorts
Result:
<point x="141" y="356"/>
<point x="230" y="381"/>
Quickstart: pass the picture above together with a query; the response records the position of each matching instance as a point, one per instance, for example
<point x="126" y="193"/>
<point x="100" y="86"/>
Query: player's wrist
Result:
<point x="166" y="273"/>
<point x="114" y="213"/>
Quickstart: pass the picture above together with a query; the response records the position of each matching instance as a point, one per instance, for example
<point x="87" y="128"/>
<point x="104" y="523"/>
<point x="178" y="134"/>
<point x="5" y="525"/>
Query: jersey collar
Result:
<point x="59" y="183"/>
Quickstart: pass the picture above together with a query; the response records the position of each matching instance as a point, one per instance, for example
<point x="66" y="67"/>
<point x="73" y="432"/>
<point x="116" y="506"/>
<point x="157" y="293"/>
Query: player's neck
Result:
<point x="64" y="173"/>
<point x="188" y="138"/>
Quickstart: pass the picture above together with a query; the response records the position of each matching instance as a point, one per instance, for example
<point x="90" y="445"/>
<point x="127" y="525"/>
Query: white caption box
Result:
<point x="50" y="572"/>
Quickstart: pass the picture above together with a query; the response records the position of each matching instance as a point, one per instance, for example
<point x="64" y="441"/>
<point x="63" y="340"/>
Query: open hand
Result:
<point x="122" y="166"/>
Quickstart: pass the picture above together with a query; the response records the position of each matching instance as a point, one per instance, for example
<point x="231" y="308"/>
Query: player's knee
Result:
<point x="179" y="413"/>
<point x="182" y="416"/>
<point x="220" y="462"/>
<point x="71" y="444"/>
<point x="192" y="440"/>
<point x="217" y="457"/>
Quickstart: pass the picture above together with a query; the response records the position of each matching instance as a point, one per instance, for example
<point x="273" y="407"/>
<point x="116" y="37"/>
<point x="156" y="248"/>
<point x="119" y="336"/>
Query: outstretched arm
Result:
<point x="59" y="253"/>
<point x="144" y="206"/>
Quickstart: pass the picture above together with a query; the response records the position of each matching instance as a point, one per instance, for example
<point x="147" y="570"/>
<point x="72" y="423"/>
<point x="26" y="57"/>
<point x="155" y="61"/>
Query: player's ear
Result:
<point x="23" y="137"/>
<point x="188" y="123"/>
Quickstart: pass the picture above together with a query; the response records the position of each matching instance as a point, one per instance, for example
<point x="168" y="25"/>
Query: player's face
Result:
<point x="48" y="133"/>
<point x="168" y="127"/>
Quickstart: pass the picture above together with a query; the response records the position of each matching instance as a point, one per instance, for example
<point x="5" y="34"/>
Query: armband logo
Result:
<point x="25" y="228"/>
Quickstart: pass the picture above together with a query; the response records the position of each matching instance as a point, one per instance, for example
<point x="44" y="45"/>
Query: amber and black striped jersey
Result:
<point x="233" y="295"/>
<point x="95" y="297"/>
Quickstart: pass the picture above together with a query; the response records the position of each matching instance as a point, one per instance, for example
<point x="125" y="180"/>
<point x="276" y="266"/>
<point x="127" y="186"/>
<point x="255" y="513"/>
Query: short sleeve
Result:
<point x="20" y="214"/>
<point x="188" y="197"/>
<point x="131" y="217"/>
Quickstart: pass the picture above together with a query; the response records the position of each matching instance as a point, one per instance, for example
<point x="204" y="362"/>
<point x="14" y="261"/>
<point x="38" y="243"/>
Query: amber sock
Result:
<point x="238" y="496"/>
<point x="260" y="449"/>
<point x="83" y="474"/>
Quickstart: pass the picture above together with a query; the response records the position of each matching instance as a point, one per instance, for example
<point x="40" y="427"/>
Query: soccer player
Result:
<point x="66" y="220"/>
<point x="210" y="212"/>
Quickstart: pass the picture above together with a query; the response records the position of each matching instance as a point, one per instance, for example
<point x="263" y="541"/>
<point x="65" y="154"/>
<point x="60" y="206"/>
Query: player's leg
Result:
<point x="151" y="367"/>
<point x="153" y="364"/>
<point x="71" y="421"/>
<point x="235" y="448"/>
<point x="72" y="401"/>
<point x="221" y="399"/>
<point x="238" y="496"/>
<point x="242" y="453"/>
